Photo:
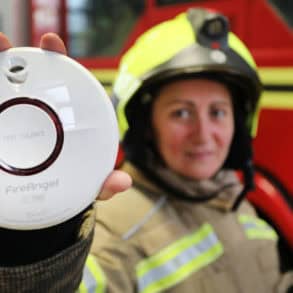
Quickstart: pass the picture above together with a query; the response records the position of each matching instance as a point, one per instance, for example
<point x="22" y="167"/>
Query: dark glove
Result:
<point x="26" y="247"/>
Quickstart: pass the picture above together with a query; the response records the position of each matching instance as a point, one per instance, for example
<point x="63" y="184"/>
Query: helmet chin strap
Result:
<point x="248" y="173"/>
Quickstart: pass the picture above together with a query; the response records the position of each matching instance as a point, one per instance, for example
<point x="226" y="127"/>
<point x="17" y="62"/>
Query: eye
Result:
<point x="181" y="113"/>
<point x="218" y="113"/>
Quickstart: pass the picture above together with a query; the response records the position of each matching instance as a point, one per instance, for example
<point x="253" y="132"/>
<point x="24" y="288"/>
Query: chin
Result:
<point x="200" y="174"/>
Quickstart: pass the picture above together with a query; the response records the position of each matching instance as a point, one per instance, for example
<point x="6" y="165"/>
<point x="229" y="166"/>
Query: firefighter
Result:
<point x="187" y="95"/>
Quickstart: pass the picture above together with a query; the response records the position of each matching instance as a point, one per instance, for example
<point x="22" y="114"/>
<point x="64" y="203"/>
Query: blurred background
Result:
<point x="98" y="32"/>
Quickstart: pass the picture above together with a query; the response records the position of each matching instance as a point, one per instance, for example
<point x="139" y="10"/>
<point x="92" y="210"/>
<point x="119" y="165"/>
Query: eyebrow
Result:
<point x="191" y="103"/>
<point x="223" y="102"/>
<point x="178" y="101"/>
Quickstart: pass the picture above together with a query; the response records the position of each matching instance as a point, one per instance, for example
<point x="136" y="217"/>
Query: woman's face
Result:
<point x="193" y="125"/>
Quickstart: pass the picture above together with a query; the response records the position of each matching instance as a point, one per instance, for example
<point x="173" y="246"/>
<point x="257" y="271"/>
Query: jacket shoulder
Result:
<point x="124" y="210"/>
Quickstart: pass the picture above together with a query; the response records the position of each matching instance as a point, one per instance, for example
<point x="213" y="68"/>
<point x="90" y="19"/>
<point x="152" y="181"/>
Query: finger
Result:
<point x="52" y="42"/>
<point x="4" y="42"/>
<point x="117" y="181"/>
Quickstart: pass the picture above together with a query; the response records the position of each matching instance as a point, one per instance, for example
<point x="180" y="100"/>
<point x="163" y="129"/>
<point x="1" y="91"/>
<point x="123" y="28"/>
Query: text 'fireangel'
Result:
<point x="32" y="187"/>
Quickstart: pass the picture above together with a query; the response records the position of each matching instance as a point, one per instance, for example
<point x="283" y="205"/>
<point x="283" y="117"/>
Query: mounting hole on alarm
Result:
<point x="16" y="68"/>
<point x="16" y="71"/>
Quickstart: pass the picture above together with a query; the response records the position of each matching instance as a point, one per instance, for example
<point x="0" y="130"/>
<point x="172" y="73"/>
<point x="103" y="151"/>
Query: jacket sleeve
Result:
<point x="60" y="272"/>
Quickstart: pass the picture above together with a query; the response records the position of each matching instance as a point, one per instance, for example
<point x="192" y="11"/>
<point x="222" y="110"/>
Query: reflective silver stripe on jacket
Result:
<point x="93" y="278"/>
<point x="179" y="260"/>
<point x="256" y="228"/>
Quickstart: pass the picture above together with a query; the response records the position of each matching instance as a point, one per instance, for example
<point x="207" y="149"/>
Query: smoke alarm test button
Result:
<point x="31" y="136"/>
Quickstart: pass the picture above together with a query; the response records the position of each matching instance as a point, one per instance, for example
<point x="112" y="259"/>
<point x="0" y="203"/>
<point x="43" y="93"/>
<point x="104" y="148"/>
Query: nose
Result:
<point x="201" y="129"/>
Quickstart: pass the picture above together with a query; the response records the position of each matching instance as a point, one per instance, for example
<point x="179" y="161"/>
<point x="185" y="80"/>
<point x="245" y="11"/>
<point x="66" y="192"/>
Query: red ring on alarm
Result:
<point x="59" y="136"/>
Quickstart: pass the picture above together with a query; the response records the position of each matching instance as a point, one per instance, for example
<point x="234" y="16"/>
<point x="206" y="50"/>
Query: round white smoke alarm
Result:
<point x="58" y="138"/>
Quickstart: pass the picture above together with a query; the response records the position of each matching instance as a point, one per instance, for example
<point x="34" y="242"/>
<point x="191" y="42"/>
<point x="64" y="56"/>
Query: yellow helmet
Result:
<point x="192" y="43"/>
<point x="196" y="44"/>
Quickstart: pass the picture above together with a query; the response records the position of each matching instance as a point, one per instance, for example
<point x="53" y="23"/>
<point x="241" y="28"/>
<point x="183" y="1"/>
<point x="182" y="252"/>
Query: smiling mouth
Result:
<point x="199" y="155"/>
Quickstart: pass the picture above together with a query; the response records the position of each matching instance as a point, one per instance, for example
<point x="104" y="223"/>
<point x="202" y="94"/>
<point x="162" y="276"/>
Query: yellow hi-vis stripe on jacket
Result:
<point x="256" y="228"/>
<point x="94" y="280"/>
<point x="179" y="260"/>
